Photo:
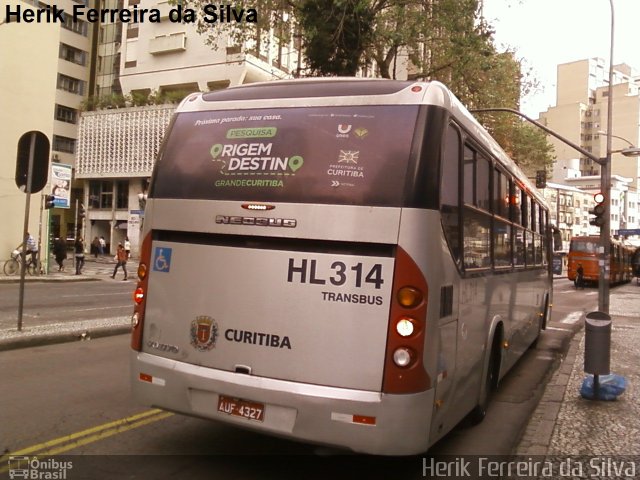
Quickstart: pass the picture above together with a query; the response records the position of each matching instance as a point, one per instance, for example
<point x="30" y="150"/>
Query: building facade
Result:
<point x="167" y="59"/>
<point x="580" y="115"/>
<point x="44" y="76"/>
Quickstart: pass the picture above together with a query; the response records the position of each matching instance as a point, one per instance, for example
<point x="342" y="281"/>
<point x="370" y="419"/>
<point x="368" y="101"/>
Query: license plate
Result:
<point x="241" y="408"/>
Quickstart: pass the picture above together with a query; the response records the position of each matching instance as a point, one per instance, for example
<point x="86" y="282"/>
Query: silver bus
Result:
<point x="346" y="262"/>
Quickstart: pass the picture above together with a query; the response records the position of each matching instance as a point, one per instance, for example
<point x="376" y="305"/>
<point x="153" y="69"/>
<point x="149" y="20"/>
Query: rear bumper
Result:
<point x="313" y="413"/>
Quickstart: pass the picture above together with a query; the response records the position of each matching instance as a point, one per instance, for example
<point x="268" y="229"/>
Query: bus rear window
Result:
<point x="339" y="155"/>
<point x="584" y="246"/>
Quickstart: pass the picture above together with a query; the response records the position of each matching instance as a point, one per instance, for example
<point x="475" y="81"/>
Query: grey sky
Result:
<point x="546" y="33"/>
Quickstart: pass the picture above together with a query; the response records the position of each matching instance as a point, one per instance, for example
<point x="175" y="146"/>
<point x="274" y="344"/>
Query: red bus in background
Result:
<point x="584" y="250"/>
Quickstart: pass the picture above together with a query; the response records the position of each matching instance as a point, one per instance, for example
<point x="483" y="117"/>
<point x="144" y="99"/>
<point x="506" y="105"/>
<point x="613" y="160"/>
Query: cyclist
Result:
<point x="32" y="249"/>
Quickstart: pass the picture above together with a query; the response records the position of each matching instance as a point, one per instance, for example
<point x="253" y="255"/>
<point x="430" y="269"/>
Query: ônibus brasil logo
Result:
<point x="34" y="468"/>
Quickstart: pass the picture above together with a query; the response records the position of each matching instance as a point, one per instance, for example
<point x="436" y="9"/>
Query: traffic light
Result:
<point x="541" y="179"/>
<point x="598" y="211"/>
<point x="49" y="201"/>
<point x="81" y="212"/>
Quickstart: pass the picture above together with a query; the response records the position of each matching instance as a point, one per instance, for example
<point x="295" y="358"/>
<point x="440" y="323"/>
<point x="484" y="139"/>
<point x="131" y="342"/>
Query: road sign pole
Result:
<point x="27" y="205"/>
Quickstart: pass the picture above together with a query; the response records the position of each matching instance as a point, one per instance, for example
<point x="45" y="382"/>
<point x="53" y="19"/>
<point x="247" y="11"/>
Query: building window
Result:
<point x="122" y="194"/>
<point x="72" y="54"/>
<point x="66" y="114"/>
<point x="70" y="84"/>
<point x="78" y="26"/>
<point x="64" y="144"/>
<point x="101" y="194"/>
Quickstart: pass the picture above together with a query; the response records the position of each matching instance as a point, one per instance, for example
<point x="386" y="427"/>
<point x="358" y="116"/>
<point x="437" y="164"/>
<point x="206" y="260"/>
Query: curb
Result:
<point x="47" y="279"/>
<point x="77" y="334"/>
<point x="536" y="439"/>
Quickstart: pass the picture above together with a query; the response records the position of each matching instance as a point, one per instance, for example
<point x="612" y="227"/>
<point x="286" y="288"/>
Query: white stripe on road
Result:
<point x="128" y="305"/>
<point x="94" y="294"/>
<point x="573" y="317"/>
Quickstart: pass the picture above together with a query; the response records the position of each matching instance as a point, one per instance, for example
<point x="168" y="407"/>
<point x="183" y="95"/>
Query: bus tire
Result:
<point x="490" y="383"/>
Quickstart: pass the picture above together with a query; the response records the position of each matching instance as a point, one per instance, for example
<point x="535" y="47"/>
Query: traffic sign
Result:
<point x="32" y="163"/>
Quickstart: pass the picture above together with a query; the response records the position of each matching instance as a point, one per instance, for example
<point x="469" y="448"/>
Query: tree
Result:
<point x="445" y="40"/>
<point x="337" y="34"/>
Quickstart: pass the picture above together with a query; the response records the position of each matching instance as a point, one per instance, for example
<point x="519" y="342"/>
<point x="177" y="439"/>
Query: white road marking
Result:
<point x="572" y="318"/>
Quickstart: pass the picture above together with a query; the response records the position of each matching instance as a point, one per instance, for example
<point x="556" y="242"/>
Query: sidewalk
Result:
<point x="94" y="269"/>
<point x="566" y="424"/>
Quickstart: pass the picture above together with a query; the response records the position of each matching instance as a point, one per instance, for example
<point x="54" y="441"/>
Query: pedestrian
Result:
<point x="32" y="248"/>
<point x="60" y="252"/>
<point x="103" y="245"/>
<point x="79" y="251"/>
<point x="580" y="277"/>
<point x="127" y="247"/>
<point x="95" y="247"/>
<point x="121" y="258"/>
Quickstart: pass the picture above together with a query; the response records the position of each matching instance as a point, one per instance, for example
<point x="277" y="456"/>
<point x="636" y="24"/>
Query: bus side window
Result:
<point x="476" y="222"/>
<point x="524" y="208"/>
<point x="502" y="244"/>
<point x="483" y="179"/>
<point x="477" y="243"/>
<point x="502" y="247"/>
<point x="515" y="198"/>
<point x="500" y="194"/>
<point x="450" y="188"/>
<point x="519" y="246"/>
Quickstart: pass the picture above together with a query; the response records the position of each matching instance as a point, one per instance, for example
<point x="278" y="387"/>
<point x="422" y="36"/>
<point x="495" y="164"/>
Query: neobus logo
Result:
<point x="257" y="221"/>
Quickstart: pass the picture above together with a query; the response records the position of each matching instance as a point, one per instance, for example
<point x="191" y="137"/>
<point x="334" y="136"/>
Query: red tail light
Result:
<point x="140" y="294"/>
<point x="404" y="370"/>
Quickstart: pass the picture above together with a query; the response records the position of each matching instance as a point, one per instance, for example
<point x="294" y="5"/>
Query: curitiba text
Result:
<point x="210" y="13"/>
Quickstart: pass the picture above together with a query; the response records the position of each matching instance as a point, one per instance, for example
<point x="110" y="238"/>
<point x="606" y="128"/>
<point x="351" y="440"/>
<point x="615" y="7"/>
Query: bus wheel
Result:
<point x="490" y="383"/>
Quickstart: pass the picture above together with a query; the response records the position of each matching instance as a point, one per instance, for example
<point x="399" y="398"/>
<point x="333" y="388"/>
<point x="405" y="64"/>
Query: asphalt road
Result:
<point x="73" y="399"/>
<point x="54" y="302"/>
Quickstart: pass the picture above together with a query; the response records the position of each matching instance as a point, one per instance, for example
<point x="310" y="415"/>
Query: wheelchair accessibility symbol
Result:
<point x="162" y="259"/>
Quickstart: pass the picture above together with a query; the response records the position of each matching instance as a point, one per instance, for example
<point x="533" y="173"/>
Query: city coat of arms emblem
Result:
<point x="204" y="332"/>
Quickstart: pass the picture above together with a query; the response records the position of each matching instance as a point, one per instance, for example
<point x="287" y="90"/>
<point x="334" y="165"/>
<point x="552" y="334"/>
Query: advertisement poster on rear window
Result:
<point x="346" y="155"/>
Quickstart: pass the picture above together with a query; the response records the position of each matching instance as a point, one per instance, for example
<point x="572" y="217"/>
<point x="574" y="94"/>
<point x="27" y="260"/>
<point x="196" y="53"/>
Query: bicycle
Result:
<point x="12" y="266"/>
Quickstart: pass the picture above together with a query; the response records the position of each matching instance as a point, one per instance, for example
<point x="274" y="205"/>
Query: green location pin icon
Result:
<point x="295" y="162"/>
<point x="216" y="150"/>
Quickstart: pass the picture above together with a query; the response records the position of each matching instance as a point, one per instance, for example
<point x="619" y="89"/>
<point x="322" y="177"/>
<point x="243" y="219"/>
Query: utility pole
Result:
<point x="605" y="188"/>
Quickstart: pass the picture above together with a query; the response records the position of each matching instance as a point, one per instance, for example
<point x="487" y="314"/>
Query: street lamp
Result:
<point x="630" y="152"/>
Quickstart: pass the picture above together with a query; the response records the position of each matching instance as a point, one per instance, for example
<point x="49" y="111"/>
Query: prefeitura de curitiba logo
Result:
<point x="204" y="332"/>
<point x="40" y="469"/>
